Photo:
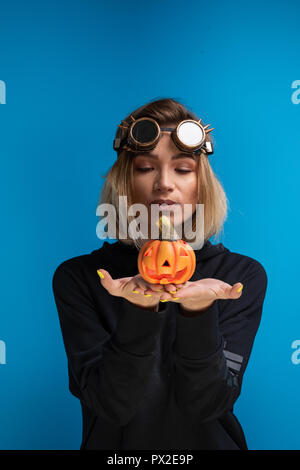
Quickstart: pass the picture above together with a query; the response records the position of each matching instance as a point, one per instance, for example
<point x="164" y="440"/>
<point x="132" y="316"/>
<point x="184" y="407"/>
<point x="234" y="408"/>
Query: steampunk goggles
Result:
<point x="144" y="133"/>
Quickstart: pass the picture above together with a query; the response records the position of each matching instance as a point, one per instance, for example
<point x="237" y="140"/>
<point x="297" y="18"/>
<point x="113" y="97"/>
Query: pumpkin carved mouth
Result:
<point x="152" y="273"/>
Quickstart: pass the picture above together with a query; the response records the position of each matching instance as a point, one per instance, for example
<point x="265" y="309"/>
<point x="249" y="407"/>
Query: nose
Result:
<point x="164" y="181"/>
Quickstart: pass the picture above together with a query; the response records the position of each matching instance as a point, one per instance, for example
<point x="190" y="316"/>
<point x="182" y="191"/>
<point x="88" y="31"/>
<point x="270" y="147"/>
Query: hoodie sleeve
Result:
<point x="211" y="351"/>
<point x="109" y="372"/>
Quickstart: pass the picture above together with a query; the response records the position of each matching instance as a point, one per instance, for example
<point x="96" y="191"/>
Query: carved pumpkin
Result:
<point x="166" y="262"/>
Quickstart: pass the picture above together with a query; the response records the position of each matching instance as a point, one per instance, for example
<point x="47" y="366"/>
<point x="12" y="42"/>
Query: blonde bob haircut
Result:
<point x="119" y="179"/>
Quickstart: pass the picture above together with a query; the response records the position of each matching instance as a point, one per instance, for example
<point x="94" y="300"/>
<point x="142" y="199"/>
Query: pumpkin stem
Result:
<point x="166" y="229"/>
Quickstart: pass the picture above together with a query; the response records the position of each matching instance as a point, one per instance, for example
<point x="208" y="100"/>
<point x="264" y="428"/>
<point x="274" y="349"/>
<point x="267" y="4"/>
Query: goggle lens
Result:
<point x="144" y="131"/>
<point x="190" y="134"/>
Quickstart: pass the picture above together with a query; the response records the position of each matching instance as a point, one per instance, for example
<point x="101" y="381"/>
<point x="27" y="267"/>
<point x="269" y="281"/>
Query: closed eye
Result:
<point x="180" y="170"/>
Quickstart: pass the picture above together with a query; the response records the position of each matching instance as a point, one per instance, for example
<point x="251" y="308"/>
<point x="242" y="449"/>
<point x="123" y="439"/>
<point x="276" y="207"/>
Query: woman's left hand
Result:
<point x="200" y="295"/>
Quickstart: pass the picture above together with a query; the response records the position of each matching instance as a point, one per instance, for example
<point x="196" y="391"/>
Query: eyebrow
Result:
<point x="174" y="157"/>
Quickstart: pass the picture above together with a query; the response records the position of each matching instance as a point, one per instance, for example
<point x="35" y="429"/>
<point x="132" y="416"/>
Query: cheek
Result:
<point x="191" y="189"/>
<point x="141" y="188"/>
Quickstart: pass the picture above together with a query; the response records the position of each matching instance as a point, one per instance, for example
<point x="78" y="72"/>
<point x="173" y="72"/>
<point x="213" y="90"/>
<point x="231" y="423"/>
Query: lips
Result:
<point x="163" y="201"/>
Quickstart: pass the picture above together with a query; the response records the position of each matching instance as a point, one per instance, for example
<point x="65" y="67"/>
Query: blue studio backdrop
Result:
<point x="69" y="72"/>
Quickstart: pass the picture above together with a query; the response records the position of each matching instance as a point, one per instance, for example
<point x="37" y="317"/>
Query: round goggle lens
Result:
<point x="190" y="134"/>
<point x="144" y="131"/>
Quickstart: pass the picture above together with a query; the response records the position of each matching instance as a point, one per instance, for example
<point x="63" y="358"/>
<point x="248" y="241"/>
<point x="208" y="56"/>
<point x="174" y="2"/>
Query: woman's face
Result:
<point x="165" y="173"/>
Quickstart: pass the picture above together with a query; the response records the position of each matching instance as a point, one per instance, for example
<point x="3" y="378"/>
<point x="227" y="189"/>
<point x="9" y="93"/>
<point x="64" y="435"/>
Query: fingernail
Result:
<point x="160" y="290"/>
<point x="173" y="291"/>
<point x="176" y="298"/>
<point x="148" y="295"/>
<point x="135" y="292"/>
<point x="100" y="274"/>
<point x="164" y="300"/>
<point x="239" y="290"/>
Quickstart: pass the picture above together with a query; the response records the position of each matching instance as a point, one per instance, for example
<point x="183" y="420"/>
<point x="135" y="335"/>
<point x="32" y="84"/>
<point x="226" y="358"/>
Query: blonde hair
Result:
<point x="119" y="179"/>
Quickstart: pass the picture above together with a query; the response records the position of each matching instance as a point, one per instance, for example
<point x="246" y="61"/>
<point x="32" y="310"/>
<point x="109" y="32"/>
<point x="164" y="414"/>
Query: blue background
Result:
<point x="73" y="70"/>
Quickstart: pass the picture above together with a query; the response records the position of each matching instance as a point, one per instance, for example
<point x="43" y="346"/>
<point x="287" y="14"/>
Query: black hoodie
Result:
<point x="157" y="380"/>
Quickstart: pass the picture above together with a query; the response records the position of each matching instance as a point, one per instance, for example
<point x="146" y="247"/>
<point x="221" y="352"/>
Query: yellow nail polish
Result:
<point x="176" y="298"/>
<point x="164" y="300"/>
<point x="239" y="290"/>
<point x="135" y="292"/>
<point x="148" y="295"/>
<point x="173" y="291"/>
<point x="100" y="274"/>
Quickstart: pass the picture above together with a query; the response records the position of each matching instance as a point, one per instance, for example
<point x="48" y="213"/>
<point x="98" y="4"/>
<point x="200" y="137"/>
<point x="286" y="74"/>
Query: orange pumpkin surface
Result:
<point x="166" y="262"/>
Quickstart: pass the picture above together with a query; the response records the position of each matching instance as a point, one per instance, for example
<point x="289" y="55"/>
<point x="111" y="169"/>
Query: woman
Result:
<point x="160" y="366"/>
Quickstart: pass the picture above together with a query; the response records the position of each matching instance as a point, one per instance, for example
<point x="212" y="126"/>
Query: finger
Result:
<point x="139" y="280"/>
<point x="220" y="289"/>
<point x="136" y="290"/>
<point x="139" y="288"/>
<point x="192" y="290"/>
<point x="226" y="291"/>
<point x="181" y="286"/>
<point x="237" y="290"/>
<point x="107" y="281"/>
<point x="171" y="288"/>
<point x="165" y="298"/>
<point x="150" y="288"/>
<point x="135" y="285"/>
<point x="155" y="287"/>
<point x="146" y="288"/>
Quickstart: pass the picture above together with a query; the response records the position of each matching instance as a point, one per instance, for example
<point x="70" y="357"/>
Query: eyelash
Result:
<point x="144" y="170"/>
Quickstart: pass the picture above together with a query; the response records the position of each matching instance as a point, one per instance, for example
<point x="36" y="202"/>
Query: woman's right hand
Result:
<point x="136" y="290"/>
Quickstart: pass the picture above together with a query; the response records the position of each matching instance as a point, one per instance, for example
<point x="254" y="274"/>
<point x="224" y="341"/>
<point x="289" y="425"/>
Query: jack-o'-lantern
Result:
<point x="166" y="261"/>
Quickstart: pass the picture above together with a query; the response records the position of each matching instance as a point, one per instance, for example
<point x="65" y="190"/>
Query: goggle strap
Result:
<point x="196" y="152"/>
